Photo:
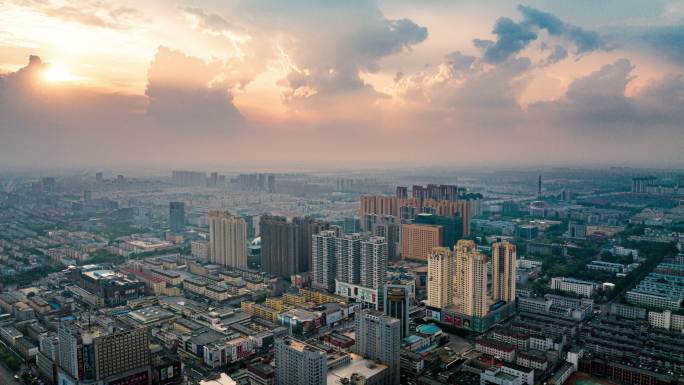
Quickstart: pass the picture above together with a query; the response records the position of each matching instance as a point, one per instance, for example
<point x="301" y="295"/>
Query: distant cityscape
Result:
<point x="506" y="278"/>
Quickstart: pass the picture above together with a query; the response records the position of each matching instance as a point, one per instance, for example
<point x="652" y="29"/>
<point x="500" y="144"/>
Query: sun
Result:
<point x="57" y="73"/>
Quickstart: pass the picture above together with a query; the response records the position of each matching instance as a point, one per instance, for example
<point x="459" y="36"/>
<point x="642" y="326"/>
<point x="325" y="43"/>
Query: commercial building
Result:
<point x="90" y="352"/>
<point x="104" y="287"/>
<point x="228" y="239"/>
<point x="417" y="241"/>
<point x="397" y="305"/>
<point x="504" y="267"/>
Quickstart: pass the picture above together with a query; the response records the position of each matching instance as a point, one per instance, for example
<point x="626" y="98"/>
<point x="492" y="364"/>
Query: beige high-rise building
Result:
<point x="470" y="279"/>
<point x="503" y="271"/>
<point x="440" y="285"/>
<point x="227" y="239"/>
<point x="417" y="241"/>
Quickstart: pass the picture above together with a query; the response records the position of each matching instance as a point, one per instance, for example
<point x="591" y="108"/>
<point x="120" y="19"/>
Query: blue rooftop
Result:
<point x="429" y="329"/>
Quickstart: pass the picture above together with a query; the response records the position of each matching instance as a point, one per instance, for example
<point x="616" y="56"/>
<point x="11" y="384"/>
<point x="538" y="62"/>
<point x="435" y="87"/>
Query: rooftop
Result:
<point x="359" y="366"/>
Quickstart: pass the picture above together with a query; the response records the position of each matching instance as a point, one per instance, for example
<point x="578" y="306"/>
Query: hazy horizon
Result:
<point x="267" y="85"/>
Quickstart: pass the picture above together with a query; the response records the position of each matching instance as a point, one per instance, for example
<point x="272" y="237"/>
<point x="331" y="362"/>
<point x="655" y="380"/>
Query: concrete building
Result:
<point x="503" y="271"/>
<point x="394" y="206"/>
<point x="471" y="279"/>
<point x="91" y="352"/>
<point x="373" y="266"/>
<point x="177" y="217"/>
<point x="324" y="260"/>
<point x="228" y="239"/>
<point x="440" y="281"/>
<point x="417" y="241"/>
<point x="378" y="338"/>
<point x="348" y="258"/>
<point x="280" y="254"/>
<point x="299" y="363"/>
<point x="572" y="285"/>
<point x="286" y="246"/>
<point x="452" y="227"/>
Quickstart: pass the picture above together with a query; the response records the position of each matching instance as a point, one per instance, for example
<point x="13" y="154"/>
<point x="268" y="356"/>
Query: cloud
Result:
<point x="665" y="41"/>
<point x="91" y="12"/>
<point x="459" y="62"/>
<point x="210" y="21"/>
<point x="558" y="53"/>
<point x="325" y="46"/>
<point x="183" y="109"/>
<point x="184" y="93"/>
<point x="585" y="41"/>
<point x="513" y="37"/>
<point x="597" y="104"/>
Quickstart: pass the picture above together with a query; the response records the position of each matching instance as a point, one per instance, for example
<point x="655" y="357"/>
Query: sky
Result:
<point x="341" y="84"/>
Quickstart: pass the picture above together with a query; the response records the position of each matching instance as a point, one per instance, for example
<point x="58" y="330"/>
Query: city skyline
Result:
<point x="255" y="83"/>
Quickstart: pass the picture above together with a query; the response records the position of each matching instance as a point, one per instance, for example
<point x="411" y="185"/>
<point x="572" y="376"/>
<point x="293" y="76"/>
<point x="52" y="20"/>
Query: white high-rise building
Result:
<point x="348" y="247"/>
<point x="440" y="285"/>
<point x="299" y="363"/>
<point x="228" y="239"/>
<point x="471" y="279"/>
<point x="373" y="262"/>
<point x="503" y="271"/>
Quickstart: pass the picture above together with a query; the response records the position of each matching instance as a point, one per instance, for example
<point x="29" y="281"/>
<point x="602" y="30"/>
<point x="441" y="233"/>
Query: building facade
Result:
<point x="440" y="285"/>
<point x="228" y="239"/>
<point x="504" y="267"/>
<point x="177" y="217"/>
<point x="299" y="363"/>
<point x="417" y="241"/>
<point x="471" y="279"/>
<point x="378" y="338"/>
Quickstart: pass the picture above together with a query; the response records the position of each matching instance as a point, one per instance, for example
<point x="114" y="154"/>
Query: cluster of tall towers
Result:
<point x="459" y="277"/>
<point x="350" y="258"/>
